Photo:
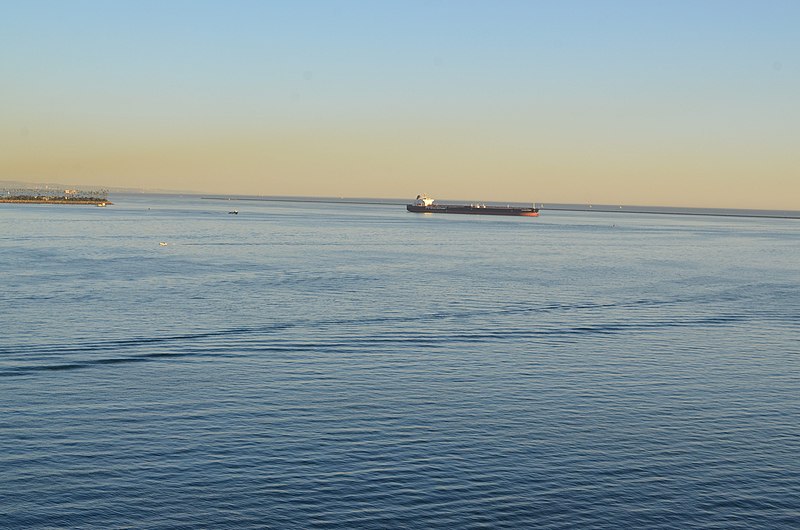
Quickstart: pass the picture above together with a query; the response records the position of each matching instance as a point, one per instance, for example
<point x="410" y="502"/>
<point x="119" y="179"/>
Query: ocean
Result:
<point x="313" y="365"/>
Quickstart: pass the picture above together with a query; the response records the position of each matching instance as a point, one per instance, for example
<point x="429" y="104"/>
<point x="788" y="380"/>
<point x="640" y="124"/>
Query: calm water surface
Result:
<point x="333" y="366"/>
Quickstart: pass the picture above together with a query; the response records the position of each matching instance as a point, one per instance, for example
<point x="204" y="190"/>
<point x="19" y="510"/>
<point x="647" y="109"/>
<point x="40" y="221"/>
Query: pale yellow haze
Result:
<point x="463" y="162"/>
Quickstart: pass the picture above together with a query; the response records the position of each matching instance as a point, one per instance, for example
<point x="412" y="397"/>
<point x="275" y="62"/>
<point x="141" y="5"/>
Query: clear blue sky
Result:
<point x="685" y="103"/>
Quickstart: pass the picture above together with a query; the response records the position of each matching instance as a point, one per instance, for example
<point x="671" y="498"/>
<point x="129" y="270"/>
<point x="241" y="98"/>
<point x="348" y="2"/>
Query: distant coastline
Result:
<point x="33" y="200"/>
<point x="657" y="210"/>
<point x="54" y="196"/>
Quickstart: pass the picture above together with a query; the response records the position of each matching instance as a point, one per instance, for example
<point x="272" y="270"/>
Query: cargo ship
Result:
<point x="424" y="204"/>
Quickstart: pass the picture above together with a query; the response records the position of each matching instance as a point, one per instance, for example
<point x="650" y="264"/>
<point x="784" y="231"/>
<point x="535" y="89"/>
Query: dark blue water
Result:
<point x="357" y="366"/>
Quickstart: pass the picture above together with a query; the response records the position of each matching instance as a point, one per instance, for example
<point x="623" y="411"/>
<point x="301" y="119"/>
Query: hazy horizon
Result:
<point x="619" y="102"/>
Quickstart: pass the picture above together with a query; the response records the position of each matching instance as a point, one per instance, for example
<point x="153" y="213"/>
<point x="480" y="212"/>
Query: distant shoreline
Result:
<point x="96" y="202"/>
<point x="654" y="212"/>
<point x="386" y="202"/>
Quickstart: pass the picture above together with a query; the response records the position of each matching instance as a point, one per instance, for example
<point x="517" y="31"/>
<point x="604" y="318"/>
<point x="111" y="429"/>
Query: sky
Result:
<point x="680" y="103"/>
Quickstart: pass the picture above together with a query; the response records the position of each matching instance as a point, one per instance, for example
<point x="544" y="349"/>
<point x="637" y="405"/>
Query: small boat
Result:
<point x="163" y="244"/>
<point x="424" y="204"/>
<point x="234" y="212"/>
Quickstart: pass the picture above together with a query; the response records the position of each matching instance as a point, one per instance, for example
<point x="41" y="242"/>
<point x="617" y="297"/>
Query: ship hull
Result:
<point x="474" y="210"/>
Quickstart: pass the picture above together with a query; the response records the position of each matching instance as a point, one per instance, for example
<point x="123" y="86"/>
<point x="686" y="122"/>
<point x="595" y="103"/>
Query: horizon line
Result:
<point x="763" y="213"/>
